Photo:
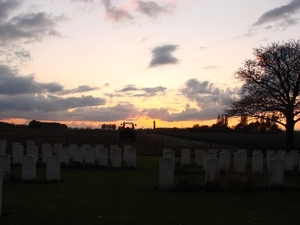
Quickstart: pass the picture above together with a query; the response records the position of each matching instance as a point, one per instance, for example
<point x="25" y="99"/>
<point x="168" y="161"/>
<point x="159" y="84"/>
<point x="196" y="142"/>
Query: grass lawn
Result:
<point x="130" y="196"/>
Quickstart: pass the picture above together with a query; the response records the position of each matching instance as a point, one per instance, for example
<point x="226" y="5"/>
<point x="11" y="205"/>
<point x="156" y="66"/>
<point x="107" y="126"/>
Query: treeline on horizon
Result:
<point x="34" y="124"/>
<point x="221" y="125"/>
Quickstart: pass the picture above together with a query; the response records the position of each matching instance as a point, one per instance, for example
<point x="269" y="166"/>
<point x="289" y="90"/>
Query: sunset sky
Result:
<point x="89" y="62"/>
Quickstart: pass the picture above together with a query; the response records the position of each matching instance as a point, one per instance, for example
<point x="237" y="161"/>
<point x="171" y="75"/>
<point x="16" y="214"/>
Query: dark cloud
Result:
<point x="6" y="7"/>
<point x="116" y="14"/>
<point x="162" y="55"/>
<point x="23" y="55"/>
<point x="133" y="91"/>
<point x="283" y="13"/>
<point x="208" y="97"/>
<point x="80" y="89"/>
<point x="46" y="108"/>
<point x="12" y="84"/>
<point x="152" y="9"/>
<point x="49" y="103"/>
<point x="188" y="114"/>
<point x="121" y="111"/>
<point x="129" y="87"/>
<point x="29" y="27"/>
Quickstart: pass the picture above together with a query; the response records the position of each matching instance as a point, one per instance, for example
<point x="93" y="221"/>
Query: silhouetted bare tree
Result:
<point x="271" y="86"/>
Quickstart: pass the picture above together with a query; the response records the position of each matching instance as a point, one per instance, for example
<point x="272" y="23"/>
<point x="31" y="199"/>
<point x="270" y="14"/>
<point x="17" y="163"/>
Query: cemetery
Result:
<point x="100" y="183"/>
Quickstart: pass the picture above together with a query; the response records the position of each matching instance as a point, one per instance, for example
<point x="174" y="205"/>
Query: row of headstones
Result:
<point x="290" y="159"/>
<point x="86" y="154"/>
<point x="212" y="164"/>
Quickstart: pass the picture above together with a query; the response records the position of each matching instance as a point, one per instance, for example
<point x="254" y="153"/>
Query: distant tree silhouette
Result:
<point x="34" y="124"/>
<point x="108" y="126"/>
<point x="271" y="87"/>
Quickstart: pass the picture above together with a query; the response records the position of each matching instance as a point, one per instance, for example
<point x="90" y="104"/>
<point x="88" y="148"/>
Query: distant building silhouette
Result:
<point x="154" y="125"/>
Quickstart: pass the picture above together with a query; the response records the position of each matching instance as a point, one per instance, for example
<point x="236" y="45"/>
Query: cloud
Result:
<point x="129" y="87"/>
<point x="29" y="28"/>
<point x="116" y="14"/>
<point x="130" y="12"/>
<point x="162" y="55"/>
<point x="152" y="9"/>
<point x="23" y="97"/>
<point x="80" y="89"/>
<point x="133" y="91"/>
<point x="6" y="7"/>
<point x="210" y="67"/>
<point x="187" y="114"/>
<point x="46" y="108"/>
<point x="124" y="111"/>
<point x="23" y="55"/>
<point x="12" y="84"/>
<point x="209" y="98"/>
<point x="283" y="14"/>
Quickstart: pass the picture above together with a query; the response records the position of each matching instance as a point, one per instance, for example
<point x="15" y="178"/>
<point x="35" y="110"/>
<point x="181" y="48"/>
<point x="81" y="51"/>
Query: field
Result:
<point x="92" y="195"/>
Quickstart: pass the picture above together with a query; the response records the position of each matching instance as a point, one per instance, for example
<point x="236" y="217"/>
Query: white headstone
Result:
<point x="271" y="155"/>
<point x="214" y="151"/>
<point x="131" y="158"/>
<point x="166" y="173"/>
<point x="89" y="155"/>
<point x="103" y="156"/>
<point x="199" y="157"/>
<point x="299" y="160"/>
<point x="46" y="145"/>
<point x="28" y="167"/>
<point x="226" y="150"/>
<point x="125" y="150"/>
<point x="207" y="155"/>
<point x="116" y="157"/>
<point x="97" y="147"/>
<point x="185" y="156"/>
<point x="63" y="153"/>
<point x="2" y="151"/>
<point x="71" y="147"/>
<point x="17" y="154"/>
<point x="78" y="155"/>
<point x="212" y="171"/>
<point x="53" y="168"/>
<point x="33" y="150"/>
<point x="29" y="142"/>
<point x="257" y="162"/>
<point x="295" y="155"/>
<point x="2" y="147"/>
<point x="47" y="151"/>
<point x="56" y="147"/>
<point x="256" y="150"/>
<point x="1" y="184"/>
<point x="239" y="162"/>
<point x="280" y="154"/>
<point x="168" y="153"/>
<point x="16" y="144"/>
<point x="5" y="166"/>
<point x="244" y="155"/>
<point x="288" y="161"/>
<point x="276" y="172"/>
<point x="111" y="147"/>
<point x="224" y="158"/>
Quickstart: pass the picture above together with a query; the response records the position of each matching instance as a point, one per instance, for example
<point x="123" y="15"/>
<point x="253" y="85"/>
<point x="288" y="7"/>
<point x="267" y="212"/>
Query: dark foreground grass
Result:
<point x="130" y="196"/>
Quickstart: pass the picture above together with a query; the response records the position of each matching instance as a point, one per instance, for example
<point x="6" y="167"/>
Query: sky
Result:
<point x="91" y="62"/>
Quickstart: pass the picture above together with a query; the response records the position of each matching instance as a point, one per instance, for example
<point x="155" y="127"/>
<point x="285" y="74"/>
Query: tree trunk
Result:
<point x="290" y="123"/>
